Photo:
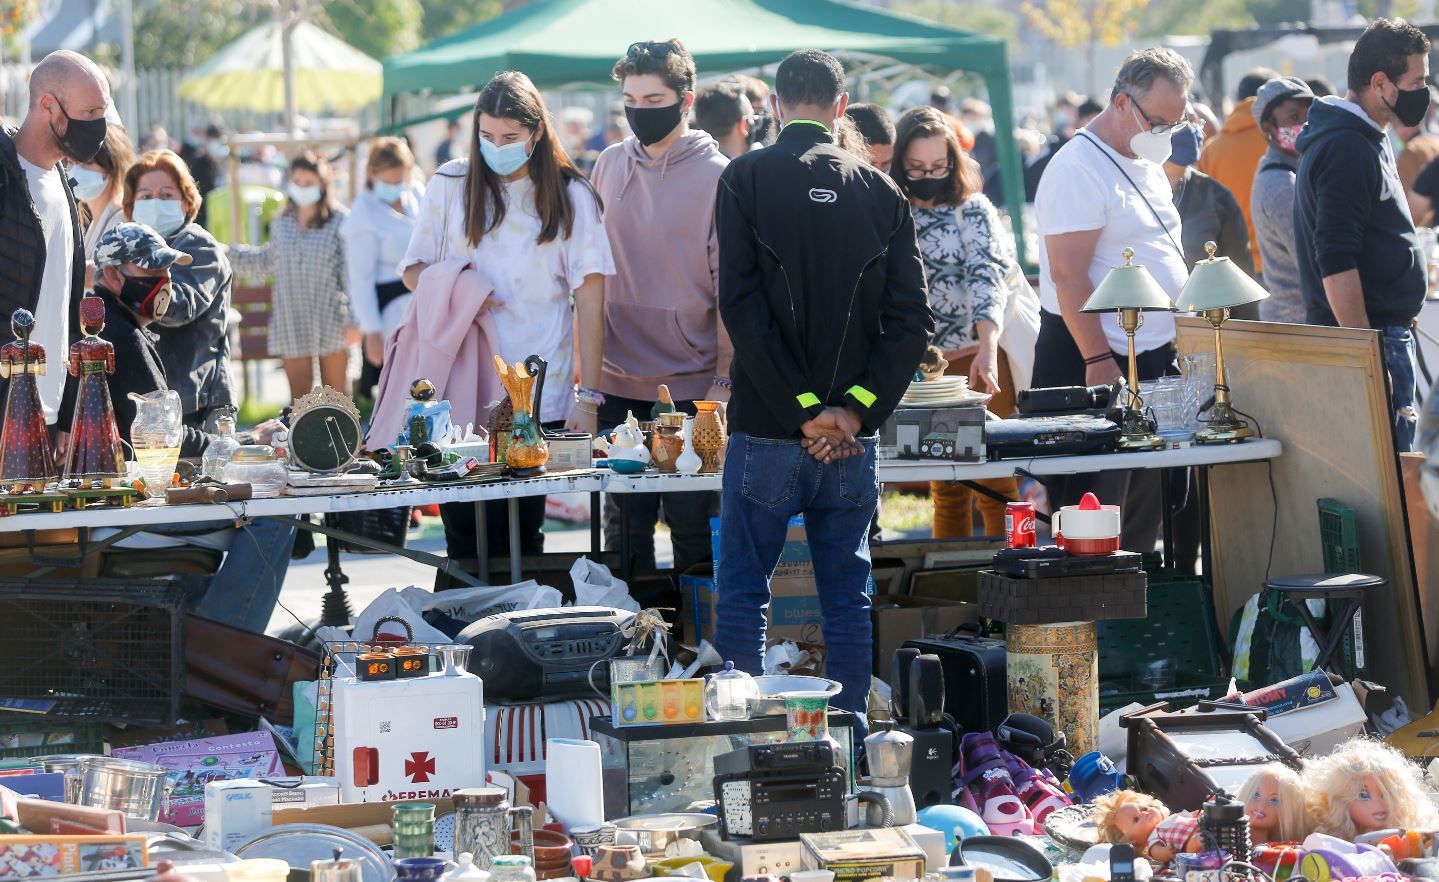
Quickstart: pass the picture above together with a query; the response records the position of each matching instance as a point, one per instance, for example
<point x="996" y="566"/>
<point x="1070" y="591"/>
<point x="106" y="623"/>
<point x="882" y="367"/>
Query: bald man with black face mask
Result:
<point x="42" y="264"/>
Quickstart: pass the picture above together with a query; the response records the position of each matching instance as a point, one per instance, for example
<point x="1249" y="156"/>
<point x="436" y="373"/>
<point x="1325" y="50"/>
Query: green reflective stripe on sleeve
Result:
<point x="807" y="399"/>
<point x="862" y="395"/>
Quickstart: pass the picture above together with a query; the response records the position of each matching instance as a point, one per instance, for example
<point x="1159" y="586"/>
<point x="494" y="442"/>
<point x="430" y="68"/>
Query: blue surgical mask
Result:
<point x="505" y="160"/>
<point x="1184" y="146"/>
<point x="164" y="216"/>
<point x="388" y="193"/>
<point x="88" y="183"/>
<point x="218" y="149"/>
<point x="303" y="196"/>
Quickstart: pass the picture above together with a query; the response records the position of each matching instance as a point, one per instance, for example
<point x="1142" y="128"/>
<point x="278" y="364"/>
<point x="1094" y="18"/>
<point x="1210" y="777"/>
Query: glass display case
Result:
<point x="670" y="768"/>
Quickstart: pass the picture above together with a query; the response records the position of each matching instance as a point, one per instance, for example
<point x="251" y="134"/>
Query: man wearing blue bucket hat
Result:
<point x="1208" y="211"/>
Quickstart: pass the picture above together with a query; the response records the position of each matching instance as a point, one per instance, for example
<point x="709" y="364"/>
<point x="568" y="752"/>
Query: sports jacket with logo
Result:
<point x="821" y="286"/>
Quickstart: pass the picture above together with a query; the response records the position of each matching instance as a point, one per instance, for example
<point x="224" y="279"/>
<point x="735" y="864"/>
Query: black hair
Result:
<point x="873" y="123"/>
<point x="1319" y="85"/>
<point x="719" y="108"/>
<point x="1089" y="107"/>
<point x="1385" y="47"/>
<point x="1252" y="82"/>
<point x="810" y="77"/>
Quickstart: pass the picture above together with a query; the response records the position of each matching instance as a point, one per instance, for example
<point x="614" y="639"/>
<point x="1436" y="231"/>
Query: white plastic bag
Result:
<point x="473" y="604"/>
<point x="595" y="585"/>
<point x="392" y="604"/>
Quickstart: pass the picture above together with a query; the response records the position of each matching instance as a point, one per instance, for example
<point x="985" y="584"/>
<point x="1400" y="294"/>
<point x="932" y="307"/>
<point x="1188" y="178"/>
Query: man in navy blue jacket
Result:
<point x="1359" y="260"/>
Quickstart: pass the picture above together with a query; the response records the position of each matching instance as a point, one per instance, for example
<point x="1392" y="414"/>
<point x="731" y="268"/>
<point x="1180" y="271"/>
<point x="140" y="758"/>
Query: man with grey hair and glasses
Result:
<point x="1104" y="191"/>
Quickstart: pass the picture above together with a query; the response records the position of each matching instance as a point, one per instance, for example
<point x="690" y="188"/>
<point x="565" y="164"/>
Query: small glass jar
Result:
<point x="257" y="465"/>
<point x="730" y="694"/>
<point x="511" y="868"/>
<point x="222" y="449"/>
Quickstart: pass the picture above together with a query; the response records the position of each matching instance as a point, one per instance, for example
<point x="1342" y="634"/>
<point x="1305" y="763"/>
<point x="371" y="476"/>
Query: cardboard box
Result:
<point x="235" y="811"/>
<point x="899" y="618"/>
<point x="569" y="454"/>
<point x="1310" y="713"/>
<point x="303" y="792"/>
<point x="951" y="434"/>
<point x="33" y="857"/>
<point x="1064" y="599"/>
<point x="853" y="855"/>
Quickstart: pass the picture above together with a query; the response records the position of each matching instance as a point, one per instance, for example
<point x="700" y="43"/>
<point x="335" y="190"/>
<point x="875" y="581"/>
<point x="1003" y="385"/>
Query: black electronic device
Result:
<point x="778" y="791"/>
<point x="1064" y="399"/>
<point x="926" y="691"/>
<point x="1043" y="563"/>
<point x="788" y="758"/>
<point x="545" y="653"/>
<point x="976" y="694"/>
<point x="1121" y="862"/>
<point x="1050" y="436"/>
<point x="899" y="681"/>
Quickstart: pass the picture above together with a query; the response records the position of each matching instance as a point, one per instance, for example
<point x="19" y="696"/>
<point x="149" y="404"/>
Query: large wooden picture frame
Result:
<point x="1322" y="392"/>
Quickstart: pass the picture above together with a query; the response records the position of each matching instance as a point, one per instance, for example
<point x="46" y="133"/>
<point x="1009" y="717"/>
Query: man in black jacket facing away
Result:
<point x="1359" y="260"/>
<point x="42" y="262"/>
<point x="822" y="291"/>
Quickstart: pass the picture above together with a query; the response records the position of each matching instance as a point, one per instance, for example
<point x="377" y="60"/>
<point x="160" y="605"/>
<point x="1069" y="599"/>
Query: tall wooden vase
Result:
<point x="710" y="436"/>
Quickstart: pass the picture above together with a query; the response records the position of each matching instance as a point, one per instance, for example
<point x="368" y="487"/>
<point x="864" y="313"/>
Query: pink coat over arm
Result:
<point x="445" y="338"/>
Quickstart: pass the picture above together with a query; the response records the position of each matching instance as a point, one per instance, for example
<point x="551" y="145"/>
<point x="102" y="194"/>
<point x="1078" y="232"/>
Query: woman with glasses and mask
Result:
<point x="310" y="314"/>
<point x="527" y="221"/>
<point x="985" y="313"/>
<point x="161" y="194"/>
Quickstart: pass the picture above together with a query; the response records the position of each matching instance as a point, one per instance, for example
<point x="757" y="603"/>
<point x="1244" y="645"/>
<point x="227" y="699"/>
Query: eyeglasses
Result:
<point x="1158" y="128"/>
<point x="656" y="50"/>
<point x="915" y="174"/>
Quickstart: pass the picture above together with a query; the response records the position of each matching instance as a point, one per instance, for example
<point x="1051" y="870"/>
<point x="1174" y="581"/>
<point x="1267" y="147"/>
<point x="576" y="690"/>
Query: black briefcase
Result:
<point x="1027" y="437"/>
<point x="974" y="676"/>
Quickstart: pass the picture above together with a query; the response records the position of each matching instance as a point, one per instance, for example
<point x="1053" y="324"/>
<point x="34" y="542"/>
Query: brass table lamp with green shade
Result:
<point x="1215" y="286"/>
<point x="1130" y="291"/>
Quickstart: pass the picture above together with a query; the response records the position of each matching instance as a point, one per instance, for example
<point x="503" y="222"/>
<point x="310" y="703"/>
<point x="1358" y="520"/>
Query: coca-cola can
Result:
<point x="1019" y="525"/>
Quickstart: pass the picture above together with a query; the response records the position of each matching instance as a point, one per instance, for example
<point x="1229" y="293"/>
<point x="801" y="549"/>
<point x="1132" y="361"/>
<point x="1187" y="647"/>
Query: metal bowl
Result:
<point x="773" y="687"/>
<point x="654" y="833"/>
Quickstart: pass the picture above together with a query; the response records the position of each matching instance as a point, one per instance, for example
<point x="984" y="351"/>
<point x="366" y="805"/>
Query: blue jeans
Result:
<point x="1399" y="361"/>
<point x="247" y="587"/>
<point x="765" y="483"/>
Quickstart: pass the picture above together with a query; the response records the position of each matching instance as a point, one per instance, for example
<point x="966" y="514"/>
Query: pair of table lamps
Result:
<point x="1214" y="287"/>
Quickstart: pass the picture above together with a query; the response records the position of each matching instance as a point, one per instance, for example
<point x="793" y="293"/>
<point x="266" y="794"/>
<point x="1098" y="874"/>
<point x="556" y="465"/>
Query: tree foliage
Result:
<point x="1086" y="23"/>
<point x="378" y="28"/>
<point x="979" y="17"/>
<point x="445" y="17"/>
<point x="183" y="33"/>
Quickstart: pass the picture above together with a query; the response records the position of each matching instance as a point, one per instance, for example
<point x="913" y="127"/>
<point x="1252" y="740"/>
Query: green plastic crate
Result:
<point x="1178" y="628"/>
<point x="21" y="739"/>
<point x="1339" y="539"/>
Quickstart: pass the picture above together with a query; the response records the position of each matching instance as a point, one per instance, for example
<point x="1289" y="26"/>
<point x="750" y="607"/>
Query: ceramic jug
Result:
<point x="482" y="825"/>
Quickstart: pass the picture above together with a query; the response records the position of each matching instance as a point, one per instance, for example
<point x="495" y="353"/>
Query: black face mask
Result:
<point x="149" y="297"/>
<point x="652" y="124"/>
<point x="1411" y="105"/>
<point x="83" y="137"/>
<point x="927" y="189"/>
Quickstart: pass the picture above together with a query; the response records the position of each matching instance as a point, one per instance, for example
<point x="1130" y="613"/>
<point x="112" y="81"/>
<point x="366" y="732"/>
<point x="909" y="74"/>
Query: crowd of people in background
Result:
<point x="649" y="245"/>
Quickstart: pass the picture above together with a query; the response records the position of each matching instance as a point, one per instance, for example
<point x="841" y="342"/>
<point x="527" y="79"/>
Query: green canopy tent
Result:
<point x="562" y="42"/>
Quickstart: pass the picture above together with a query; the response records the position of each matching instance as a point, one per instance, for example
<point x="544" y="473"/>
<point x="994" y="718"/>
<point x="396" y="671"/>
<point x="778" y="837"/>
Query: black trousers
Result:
<point x="687" y="514"/>
<point x="459" y="520"/>
<point x="1058" y="362"/>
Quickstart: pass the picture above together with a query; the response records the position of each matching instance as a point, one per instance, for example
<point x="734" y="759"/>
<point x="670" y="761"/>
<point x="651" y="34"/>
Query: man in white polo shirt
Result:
<point x="1104" y="191"/>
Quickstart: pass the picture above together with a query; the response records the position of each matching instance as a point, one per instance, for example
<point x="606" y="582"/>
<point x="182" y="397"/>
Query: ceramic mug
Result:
<point x="806" y="715"/>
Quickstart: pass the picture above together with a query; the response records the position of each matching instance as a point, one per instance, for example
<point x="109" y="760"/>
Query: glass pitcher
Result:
<point x="155" y="435"/>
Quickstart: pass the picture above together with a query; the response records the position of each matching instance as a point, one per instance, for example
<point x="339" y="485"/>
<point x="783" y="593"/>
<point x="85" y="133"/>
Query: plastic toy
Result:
<point x="1366" y="786"/>
<point x="1147" y="824"/>
<point x="1275" y="803"/>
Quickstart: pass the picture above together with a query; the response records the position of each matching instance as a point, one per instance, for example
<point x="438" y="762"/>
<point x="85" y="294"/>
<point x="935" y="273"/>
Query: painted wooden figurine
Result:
<point x="27" y="462"/>
<point x="96" y="456"/>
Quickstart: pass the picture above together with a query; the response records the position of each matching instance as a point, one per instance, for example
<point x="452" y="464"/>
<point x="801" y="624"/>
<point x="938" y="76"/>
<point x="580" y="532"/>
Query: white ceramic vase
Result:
<point x="689" y="462"/>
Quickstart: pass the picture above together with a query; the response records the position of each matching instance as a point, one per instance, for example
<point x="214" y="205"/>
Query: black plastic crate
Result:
<point x="24" y="739"/>
<point x="103" y="650"/>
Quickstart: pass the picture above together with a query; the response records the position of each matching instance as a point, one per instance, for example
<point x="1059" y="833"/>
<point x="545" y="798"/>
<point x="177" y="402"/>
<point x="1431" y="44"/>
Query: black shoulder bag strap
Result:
<point x="1145" y="199"/>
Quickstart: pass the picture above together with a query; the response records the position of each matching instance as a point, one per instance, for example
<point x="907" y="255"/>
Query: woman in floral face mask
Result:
<point x="1281" y="108"/>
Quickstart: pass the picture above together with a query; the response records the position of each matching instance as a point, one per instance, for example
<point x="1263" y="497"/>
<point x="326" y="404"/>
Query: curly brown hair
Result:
<point x="666" y="59"/>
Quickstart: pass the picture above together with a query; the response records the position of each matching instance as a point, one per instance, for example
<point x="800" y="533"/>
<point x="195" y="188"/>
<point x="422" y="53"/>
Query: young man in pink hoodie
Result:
<point x="662" y="321"/>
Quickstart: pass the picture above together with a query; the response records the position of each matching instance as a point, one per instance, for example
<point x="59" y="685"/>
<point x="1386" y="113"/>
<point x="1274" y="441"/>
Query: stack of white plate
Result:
<point x="943" y="392"/>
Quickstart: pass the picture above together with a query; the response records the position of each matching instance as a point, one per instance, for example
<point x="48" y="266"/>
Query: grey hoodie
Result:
<point x="661" y="319"/>
<point x="1272" y="202"/>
